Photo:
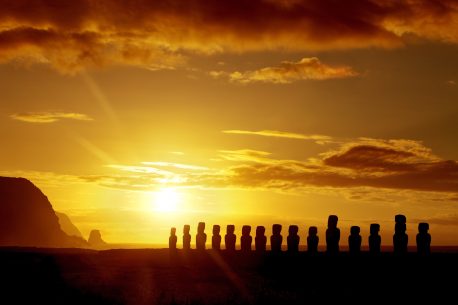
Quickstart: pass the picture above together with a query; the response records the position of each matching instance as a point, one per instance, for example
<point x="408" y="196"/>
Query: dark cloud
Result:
<point x="445" y="220"/>
<point x="373" y="158"/>
<point x="436" y="177"/>
<point x="80" y="33"/>
<point x="381" y="164"/>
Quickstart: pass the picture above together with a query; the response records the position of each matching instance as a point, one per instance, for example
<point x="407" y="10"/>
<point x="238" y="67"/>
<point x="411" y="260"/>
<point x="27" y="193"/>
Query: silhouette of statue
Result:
<point x="201" y="237"/>
<point x="173" y="239"/>
<point x="186" y="237"/>
<point x="216" y="238"/>
<point x="312" y="240"/>
<point x="230" y="238"/>
<point x="423" y="239"/>
<point x="260" y="240"/>
<point x="332" y="235"/>
<point x="400" y="219"/>
<point x="276" y="239"/>
<point x="354" y="240"/>
<point x="374" y="239"/>
<point x="246" y="239"/>
<point x="400" y="238"/>
<point x="293" y="239"/>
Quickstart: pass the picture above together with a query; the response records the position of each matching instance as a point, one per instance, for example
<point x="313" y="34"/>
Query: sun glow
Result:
<point x="167" y="200"/>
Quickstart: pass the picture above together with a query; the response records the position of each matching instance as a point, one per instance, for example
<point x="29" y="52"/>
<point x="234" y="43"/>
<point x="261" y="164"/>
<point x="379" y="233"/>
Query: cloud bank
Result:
<point x="370" y="170"/>
<point x="71" y="35"/>
<point x="365" y="164"/>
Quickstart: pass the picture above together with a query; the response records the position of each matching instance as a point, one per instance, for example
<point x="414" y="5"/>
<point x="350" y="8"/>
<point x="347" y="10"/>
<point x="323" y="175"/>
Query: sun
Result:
<point x="166" y="200"/>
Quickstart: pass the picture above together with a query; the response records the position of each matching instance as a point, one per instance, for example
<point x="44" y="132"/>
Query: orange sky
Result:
<point x="137" y="116"/>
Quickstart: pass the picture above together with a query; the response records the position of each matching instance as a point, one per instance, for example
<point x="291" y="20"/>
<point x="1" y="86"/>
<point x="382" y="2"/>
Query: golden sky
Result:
<point x="135" y="116"/>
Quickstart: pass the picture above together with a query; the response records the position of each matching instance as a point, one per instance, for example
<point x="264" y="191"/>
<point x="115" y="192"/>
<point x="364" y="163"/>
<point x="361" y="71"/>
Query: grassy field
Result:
<point x="156" y="276"/>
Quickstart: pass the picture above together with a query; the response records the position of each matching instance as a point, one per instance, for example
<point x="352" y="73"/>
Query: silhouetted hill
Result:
<point x="28" y="219"/>
<point x="67" y="225"/>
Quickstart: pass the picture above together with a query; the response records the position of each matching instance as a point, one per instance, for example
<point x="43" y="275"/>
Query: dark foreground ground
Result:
<point x="137" y="277"/>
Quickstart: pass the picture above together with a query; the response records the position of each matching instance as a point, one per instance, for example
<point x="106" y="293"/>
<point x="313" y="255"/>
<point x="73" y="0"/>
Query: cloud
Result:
<point x="176" y="165"/>
<point x="364" y="169"/>
<point x="249" y="155"/>
<point x="361" y="166"/>
<point x="319" y="139"/>
<point x="288" y="71"/>
<point x="445" y="220"/>
<point x="376" y="159"/>
<point x="390" y="164"/>
<point x="49" y="117"/>
<point x="48" y="179"/>
<point x="178" y="153"/>
<point x="145" y="181"/>
<point x="71" y="51"/>
<point x="70" y="35"/>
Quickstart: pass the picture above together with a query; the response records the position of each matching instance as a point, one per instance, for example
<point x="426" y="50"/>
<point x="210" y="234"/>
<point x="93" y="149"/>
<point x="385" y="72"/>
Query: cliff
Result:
<point x="67" y="225"/>
<point x="28" y="219"/>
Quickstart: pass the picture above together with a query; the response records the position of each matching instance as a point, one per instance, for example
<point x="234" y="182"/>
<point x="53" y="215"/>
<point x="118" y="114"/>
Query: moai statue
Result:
<point x="293" y="239"/>
<point x="186" y="237"/>
<point x="230" y="238"/>
<point x="374" y="239"/>
<point x="423" y="239"/>
<point x="216" y="238"/>
<point x="173" y="239"/>
<point x="354" y="240"/>
<point x="260" y="240"/>
<point x="201" y="237"/>
<point x="312" y="240"/>
<point x="332" y="235"/>
<point x="276" y="239"/>
<point x="400" y="238"/>
<point x="246" y="239"/>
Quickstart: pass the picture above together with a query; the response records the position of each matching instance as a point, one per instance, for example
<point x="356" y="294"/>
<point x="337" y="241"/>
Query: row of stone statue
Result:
<point x="400" y="238"/>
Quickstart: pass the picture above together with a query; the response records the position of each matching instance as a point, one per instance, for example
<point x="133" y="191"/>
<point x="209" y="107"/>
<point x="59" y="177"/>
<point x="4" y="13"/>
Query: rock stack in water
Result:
<point x="95" y="240"/>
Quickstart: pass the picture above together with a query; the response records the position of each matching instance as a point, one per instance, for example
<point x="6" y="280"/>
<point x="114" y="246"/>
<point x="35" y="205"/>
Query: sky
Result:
<point x="137" y="116"/>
